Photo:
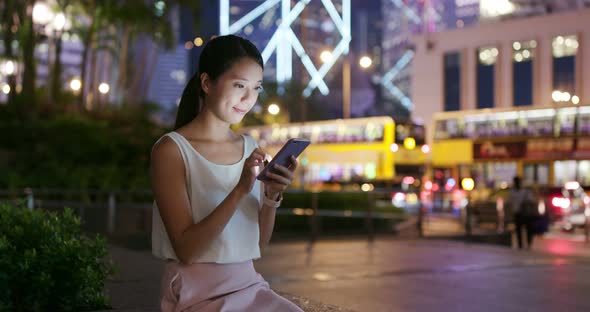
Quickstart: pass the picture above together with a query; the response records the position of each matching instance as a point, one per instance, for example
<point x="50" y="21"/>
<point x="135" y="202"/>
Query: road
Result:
<point x="398" y="275"/>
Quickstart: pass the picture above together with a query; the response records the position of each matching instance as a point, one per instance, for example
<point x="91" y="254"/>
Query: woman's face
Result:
<point x="235" y="92"/>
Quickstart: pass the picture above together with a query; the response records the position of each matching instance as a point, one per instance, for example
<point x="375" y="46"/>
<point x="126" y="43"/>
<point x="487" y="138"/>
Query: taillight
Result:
<point x="561" y="202"/>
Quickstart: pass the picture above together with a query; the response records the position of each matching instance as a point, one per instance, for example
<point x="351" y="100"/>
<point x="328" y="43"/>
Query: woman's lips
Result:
<point x="241" y="111"/>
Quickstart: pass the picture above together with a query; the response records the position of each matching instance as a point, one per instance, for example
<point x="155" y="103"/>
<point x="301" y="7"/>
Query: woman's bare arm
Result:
<point x="188" y="239"/>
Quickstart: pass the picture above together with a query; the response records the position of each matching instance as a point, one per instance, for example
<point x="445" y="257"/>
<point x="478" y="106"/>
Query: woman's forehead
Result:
<point x="245" y="69"/>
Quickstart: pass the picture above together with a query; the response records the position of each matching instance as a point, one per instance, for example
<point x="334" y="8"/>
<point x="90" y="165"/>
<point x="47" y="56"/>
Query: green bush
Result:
<point x="47" y="264"/>
<point x="106" y="151"/>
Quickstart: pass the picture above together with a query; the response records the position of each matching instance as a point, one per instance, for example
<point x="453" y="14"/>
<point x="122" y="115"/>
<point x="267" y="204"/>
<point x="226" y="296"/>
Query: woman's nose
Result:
<point x="249" y="96"/>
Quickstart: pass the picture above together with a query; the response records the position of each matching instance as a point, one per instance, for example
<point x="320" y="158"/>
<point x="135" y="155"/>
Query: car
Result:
<point x="568" y="206"/>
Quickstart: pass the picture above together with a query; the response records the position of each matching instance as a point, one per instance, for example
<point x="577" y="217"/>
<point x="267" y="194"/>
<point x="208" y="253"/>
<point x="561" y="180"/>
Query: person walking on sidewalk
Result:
<point x="522" y="203"/>
<point x="211" y="216"/>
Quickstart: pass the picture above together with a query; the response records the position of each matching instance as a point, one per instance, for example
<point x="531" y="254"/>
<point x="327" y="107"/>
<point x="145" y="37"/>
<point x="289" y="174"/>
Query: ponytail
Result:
<point x="190" y="102"/>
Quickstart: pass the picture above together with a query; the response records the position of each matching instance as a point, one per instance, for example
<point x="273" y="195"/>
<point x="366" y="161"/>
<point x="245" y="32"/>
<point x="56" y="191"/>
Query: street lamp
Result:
<point x="104" y="88"/>
<point x="75" y="84"/>
<point x="42" y="14"/>
<point x="9" y="68"/>
<point x="326" y="56"/>
<point x="468" y="184"/>
<point x="5" y="88"/>
<point x="365" y="62"/>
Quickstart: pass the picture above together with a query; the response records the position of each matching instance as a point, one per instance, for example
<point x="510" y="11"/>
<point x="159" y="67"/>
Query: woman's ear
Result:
<point x="205" y="83"/>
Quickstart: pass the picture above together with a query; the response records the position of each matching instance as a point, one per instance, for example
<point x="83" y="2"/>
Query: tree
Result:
<point x="134" y="20"/>
<point x="56" y="83"/>
<point x="8" y="27"/>
<point x="28" y="40"/>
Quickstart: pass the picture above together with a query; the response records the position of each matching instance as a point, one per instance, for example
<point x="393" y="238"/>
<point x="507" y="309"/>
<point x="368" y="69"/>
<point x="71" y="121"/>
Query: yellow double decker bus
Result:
<point x="372" y="150"/>
<point x="544" y="145"/>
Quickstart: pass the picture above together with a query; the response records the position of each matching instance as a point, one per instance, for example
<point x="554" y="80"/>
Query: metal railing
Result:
<point x="112" y="201"/>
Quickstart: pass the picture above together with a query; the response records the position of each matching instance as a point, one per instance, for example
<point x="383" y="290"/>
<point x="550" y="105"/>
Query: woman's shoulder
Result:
<point x="165" y="147"/>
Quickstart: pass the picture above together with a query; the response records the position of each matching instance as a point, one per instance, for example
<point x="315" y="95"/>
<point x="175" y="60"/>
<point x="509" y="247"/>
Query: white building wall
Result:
<point x="428" y="65"/>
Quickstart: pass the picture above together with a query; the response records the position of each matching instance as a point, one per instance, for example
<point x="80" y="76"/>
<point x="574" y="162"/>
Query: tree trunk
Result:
<point x="132" y="93"/>
<point x="29" y="68"/>
<point x="56" y="75"/>
<point x="56" y="82"/>
<point x="85" y="52"/>
<point x="151" y="69"/>
<point x="123" y="66"/>
<point x="92" y="79"/>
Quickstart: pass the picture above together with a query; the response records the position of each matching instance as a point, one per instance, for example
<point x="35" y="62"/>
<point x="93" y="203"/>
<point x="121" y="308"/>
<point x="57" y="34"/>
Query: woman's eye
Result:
<point x="259" y="89"/>
<point x="239" y="85"/>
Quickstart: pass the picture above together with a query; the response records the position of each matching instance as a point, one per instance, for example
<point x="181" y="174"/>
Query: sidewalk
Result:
<point x="391" y="275"/>
<point x="135" y="286"/>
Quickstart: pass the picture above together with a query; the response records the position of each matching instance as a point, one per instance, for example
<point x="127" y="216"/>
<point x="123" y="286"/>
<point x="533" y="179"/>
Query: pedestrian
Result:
<point x="523" y="205"/>
<point x="211" y="216"/>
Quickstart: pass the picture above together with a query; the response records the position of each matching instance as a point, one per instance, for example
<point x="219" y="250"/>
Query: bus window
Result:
<point x="584" y="122"/>
<point x="403" y="131"/>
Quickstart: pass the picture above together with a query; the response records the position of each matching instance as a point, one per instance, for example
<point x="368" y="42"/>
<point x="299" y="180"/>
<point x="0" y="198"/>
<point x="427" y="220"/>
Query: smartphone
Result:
<point x="293" y="147"/>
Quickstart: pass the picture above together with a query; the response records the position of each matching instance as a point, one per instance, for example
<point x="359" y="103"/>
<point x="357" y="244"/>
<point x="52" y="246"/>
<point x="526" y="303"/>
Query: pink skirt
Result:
<point x="218" y="287"/>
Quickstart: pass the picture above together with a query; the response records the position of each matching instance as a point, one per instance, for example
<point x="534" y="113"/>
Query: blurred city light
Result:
<point x="274" y="109"/>
<point x="59" y="22"/>
<point x="75" y="84"/>
<point x="367" y="187"/>
<point x="189" y="45"/>
<point x="394" y="147"/>
<point x="409" y="143"/>
<point x="326" y="56"/>
<point x="467" y="184"/>
<point x="5" y="88"/>
<point x="493" y="8"/>
<point x="198" y="41"/>
<point x="575" y="99"/>
<point x="559" y="96"/>
<point x="425" y="149"/>
<point x="516" y="45"/>
<point x="365" y="62"/>
<point x="42" y="13"/>
<point x="9" y="68"/>
<point x="104" y="88"/>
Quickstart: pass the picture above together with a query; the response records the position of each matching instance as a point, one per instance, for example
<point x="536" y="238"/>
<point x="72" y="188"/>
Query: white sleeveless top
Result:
<point x="208" y="184"/>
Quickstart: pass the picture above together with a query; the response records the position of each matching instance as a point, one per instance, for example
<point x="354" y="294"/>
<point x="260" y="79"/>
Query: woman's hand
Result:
<point x="278" y="183"/>
<point x="249" y="171"/>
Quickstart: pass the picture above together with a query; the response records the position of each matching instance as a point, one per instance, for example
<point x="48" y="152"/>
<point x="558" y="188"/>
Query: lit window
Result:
<point x="523" y="50"/>
<point x="565" y="45"/>
<point x="488" y="55"/>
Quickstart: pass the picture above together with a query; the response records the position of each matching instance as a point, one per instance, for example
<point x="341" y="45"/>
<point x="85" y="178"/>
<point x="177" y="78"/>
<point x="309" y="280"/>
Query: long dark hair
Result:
<point x="217" y="57"/>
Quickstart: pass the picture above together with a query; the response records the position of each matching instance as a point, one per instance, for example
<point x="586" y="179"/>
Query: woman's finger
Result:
<point x="259" y="152"/>
<point x="285" y="172"/>
<point x="274" y="186"/>
<point x="278" y="178"/>
<point x="294" y="163"/>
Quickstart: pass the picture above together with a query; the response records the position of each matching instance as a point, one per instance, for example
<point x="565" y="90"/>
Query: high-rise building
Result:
<point x="319" y="27"/>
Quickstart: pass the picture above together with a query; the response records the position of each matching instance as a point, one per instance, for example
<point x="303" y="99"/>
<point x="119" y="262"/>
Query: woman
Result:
<point x="211" y="215"/>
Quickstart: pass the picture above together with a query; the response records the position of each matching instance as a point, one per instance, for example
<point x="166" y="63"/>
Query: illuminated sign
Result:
<point x="284" y="40"/>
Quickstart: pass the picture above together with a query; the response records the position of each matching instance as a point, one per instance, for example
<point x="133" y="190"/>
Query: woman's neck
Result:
<point x="206" y="126"/>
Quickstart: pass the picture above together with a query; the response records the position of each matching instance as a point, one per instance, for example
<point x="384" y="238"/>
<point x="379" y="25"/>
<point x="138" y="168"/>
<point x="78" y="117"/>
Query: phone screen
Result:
<point x="293" y="147"/>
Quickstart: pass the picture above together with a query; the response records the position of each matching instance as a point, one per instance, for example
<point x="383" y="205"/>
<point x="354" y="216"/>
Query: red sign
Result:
<point x="583" y="148"/>
<point x="550" y="148"/>
<point x="506" y="150"/>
